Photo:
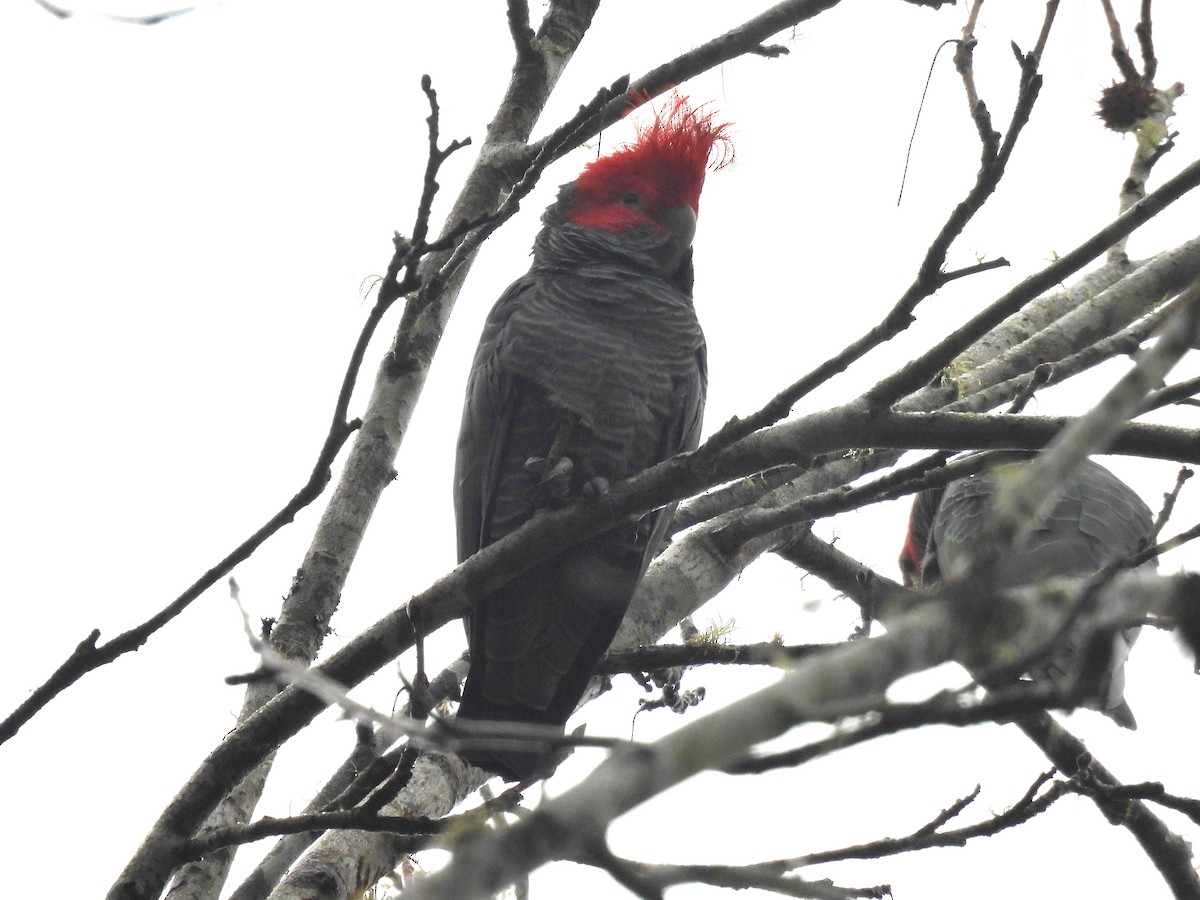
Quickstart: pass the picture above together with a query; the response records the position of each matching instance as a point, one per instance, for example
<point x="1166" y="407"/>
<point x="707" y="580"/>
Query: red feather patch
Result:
<point x="664" y="168"/>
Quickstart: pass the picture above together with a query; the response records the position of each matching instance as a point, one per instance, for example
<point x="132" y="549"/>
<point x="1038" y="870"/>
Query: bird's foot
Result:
<point x="554" y="482"/>
<point x="555" y="479"/>
<point x="595" y="488"/>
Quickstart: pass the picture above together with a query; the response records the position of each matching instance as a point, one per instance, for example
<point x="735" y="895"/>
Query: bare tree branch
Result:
<point x="60" y="12"/>
<point x="930" y="275"/>
<point x="1169" y="853"/>
<point x="666" y="656"/>
<point x="1120" y="52"/>
<point x="911" y="377"/>
<point x="87" y="656"/>
<point x="402" y="374"/>
<point x="845" y="681"/>
<point x="819" y="453"/>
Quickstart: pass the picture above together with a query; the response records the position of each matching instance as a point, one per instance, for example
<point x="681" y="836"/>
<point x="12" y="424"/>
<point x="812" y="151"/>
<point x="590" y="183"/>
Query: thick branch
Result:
<point x="1169" y="853"/>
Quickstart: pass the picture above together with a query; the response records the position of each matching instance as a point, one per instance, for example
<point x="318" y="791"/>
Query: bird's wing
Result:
<point x="1095" y="520"/>
<point x="492" y="397"/>
<point x="625" y="369"/>
<point x="682" y="435"/>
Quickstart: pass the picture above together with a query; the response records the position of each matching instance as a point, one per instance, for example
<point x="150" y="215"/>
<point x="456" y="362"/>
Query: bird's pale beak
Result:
<point x="681" y="222"/>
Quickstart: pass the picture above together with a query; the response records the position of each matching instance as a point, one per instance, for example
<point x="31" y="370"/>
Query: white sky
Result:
<point x="188" y="216"/>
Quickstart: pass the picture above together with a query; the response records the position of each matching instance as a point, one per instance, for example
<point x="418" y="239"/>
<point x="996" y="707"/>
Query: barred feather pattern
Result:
<point x="1097" y="519"/>
<point x="601" y="338"/>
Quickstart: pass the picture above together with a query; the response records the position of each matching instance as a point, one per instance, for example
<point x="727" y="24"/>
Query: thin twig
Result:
<point x="1169" y="500"/>
<point x="1044" y="35"/>
<point x="958" y="709"/>
<point x="930" y="277"/>
<point x="1120" y="52"/>
<point x="963" y="61"/>
<point x="60" y="12"/>
<point x="1033" y="803"/>
<point x="1170" y="854"/>
<point x="917" y="118"/>
<point x="1153" y="790"/>
<point x="666" y="656"/>
<point x="1145" y="36"/>
<point x="947" y="277"/>
<point x="917" y="373"/>
<point x="1039" y="378"/>
<point x="520" y="29"/>
<point x="1180" y="392"/>
<point x="87" y="656"/>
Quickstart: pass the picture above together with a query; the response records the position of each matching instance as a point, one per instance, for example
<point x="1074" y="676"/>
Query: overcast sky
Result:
<point x="190" y="218"/>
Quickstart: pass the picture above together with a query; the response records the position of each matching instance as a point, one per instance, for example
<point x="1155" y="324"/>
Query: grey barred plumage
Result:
<point x="1097" y="519"/>
<point x="592" y="364"/>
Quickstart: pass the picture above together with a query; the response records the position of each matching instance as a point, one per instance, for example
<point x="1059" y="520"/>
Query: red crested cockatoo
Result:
<point x="1095" y="520"/>
<point x="591" y="368"/>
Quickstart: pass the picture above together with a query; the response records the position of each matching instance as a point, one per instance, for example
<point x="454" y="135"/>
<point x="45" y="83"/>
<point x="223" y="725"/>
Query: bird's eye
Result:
<point x="631" y="199"/>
